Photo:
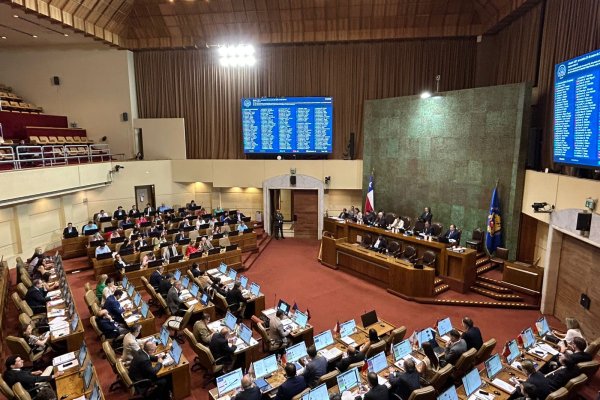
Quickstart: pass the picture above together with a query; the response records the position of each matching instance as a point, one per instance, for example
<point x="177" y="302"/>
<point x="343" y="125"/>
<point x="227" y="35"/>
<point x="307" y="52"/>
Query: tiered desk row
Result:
<point x="341" y="250"/>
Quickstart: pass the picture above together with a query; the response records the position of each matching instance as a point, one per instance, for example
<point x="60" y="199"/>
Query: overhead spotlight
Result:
<point x="16" y="16"/>
<point x="66" y="35"/>
<point x="3" y="37"/>
<point x="240" y="55"/>
<point x="425" y="95"/>
<point x="35" y="36"/>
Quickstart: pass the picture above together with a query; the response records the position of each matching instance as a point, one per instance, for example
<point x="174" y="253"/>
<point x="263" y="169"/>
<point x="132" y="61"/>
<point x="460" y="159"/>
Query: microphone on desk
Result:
<point x="275" y="300"/>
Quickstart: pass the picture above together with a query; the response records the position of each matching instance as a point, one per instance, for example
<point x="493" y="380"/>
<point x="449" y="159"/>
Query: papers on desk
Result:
<point x="191" y="302"/>
<point x="56" y="313"/>
<point x="269" y="312"/>
<point x="348" y="341"/>
<point x="507" y="387"/>
<point x="400" y="364"/>
<point x="63" y="359"/>
<point x="213" y="271"/>
<point x="480" y="396"/>
<point x="537" y="350"/>
<point x="215" y="326"/>
<point x="168" y="361"/>
<point x="56" y="302"/>
<point x="332" y="353"/>
<point x="60" y="332"/>
<point x="184" y="292"/>
<point x="123" y="296"/>
<point x="382" y="381"/>
<point x="53" y="293"/>
<point x="516" y="365"/>
<point x="132" y="318"/>
<point x="58" y="323"/>
<point x="445" y="338"/>
<point x="67" y="365"/>
<point x="547" y="348"/>
<point x="126" y="303"/>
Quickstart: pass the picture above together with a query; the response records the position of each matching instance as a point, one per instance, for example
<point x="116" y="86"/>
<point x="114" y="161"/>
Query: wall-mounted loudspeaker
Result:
<point x="56" y="80"/>
<point x="293" y="180"/>
<point x="351" y="146"/>
<point x="125" y="117"/>
<point x="584" y="222"/>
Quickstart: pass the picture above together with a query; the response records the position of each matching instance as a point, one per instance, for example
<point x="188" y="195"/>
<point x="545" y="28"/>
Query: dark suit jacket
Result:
<point x="290" y="388"/>
<point x="382" y="244"/>
<point x="141" y="367"/>
<point x="179" y="237"/>
<point x="147" y="210"/>
<point x="404" y="383"/>
<point x="315" y="369"/>
<point x="344" y="363"/>
<point x="252" y="393"/>
<point x="155" y="279"/>
<point x="36" y="299"/>
<point x="473" y="338"/>
<point x="379" y="392"/>
<point x="28" y="381"/>
<point x="196" y="272"/>
<point x="542" y="386"/>
<point x="235" y="296"/>
<point x="452" y="235"/>
<point x="118" y="213"/>
<point x="560" y="377"/>
<point x="73" y="232"/>
<point x="426" y="217"/>
<point x="108" y="327"/>
<point x="428" y="231"/>
<point x="454" y="352"/>
<point x="163" y="287"/>
<point x="114" y="308"/>
<point x="120" y="264"/>
<point x="581" y="356"/>
<point x="173" y="301"/>
<point x="220" y="348"/>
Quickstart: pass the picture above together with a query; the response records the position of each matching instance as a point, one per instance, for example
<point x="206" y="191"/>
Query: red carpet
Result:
<point x="289" y="269"/>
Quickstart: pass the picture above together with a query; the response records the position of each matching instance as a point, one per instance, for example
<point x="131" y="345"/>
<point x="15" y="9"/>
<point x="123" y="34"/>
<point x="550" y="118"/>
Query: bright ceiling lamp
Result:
<point x="241" y="55"/>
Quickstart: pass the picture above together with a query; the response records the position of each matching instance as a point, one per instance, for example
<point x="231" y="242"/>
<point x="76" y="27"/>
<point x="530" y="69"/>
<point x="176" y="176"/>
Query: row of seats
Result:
<point x="50" y="140"/>
<point x="20" y="107"/>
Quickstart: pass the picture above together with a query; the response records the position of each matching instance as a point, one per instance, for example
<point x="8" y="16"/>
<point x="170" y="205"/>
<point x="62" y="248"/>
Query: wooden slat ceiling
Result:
<point x="138" y="24"/>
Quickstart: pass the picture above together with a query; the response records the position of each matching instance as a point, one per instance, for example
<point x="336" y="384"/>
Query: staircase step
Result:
<point x="441" y="289"/>
<point x="492" y="286"/>
<point x="482" y="260"/>
<point x="437" y="281"/>
<point x="485" y="268"/>
<point x="496" y="296"/>
<point x="473" y="303"/>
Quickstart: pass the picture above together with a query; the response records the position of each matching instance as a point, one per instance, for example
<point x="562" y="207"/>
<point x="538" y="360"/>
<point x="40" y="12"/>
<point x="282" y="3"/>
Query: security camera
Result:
<point x="118" y="167"/>
<point x="542" y="207"/>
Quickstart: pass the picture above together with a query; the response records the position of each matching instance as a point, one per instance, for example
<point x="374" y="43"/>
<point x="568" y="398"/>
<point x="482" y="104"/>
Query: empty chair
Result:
<point x="357" y="364"/>
<point x="419" y="226"/>
<point x="177" y="324"/>
<point x="485" y="351"/>
<point x="429" y="258"/>
<point x="476" y="241"/>
<point x="575" y="384"/>
<point x="224" y="241"/>
<point x="204" y="359"/>
<point x="560" y="394"/>
<point x="367" y="241"/>
<point x="20" y="393"/>
<point x="396" y="336"/>
<point x="6" y="390"/>
<point x="500" y="256"/>
<point x="112" y="360"/>
<point x="442" y="378"/>
<point x="22" y="290"/>
<point x="329" y="378"/>
<point x="301" y="394"/>
<point x="589" y="368"/>
<point x="593" y="347"/>
<point x="407" y="222"/>
<point x="409" y="253"/>
<point x="394" y="247"/>
<point x="19" y="347"/>
<point x="426" y="393"/>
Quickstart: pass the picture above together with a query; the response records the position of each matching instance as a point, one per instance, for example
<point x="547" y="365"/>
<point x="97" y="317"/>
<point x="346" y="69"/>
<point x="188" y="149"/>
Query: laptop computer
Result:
<point x="264" y="368"/>
<point x="230" y="321"/>
<point x="228" y="382"/>
<point x="472" y="382"/>
<point x="444" y="326"/>
<point x="318" y="393"/>
<point x="295" y="353"/>
<point x="514" y="351"/>
<point x="300" y="318"/>
<point x="323" y="339"/>
<point x="104" y="256"/>
<point x="348" y="380"/>
<point x="347" y="328"/>
<point x="528" y="338"/>
<point x="493" y="366"/>
<point x="448" y="394"/>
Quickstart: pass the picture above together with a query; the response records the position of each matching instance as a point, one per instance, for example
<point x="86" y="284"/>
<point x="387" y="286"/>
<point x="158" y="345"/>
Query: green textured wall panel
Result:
<point x="447" y="153"/>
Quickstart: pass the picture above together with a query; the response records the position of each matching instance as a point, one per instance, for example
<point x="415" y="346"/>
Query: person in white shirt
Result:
<point x="102" y="250"/>
<point x="108" y="290"/>
<point x="398" y="223"/>
<point x="131" y="344"/>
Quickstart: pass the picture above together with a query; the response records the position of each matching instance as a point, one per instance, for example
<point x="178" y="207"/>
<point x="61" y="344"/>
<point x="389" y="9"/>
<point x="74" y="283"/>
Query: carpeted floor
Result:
<point x="289" y="269"/>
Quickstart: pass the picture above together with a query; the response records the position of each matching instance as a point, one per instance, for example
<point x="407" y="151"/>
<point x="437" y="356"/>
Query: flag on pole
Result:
<point x="336" y="328"/>
<point x="370" y="200"/>
<point x="295" y="306"/>
<point x="493" y="236"/>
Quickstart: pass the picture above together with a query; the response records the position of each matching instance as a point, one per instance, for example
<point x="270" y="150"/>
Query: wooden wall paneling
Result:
<point x="527" y="238"/>
<point x="305" y="207"/>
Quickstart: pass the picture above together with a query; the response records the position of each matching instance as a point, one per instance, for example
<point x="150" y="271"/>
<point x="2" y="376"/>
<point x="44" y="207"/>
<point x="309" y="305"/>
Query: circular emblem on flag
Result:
<point x="562" y="71"/>
<point x="247" y="103"/>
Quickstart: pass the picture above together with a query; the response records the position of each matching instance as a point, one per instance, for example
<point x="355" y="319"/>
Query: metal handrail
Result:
<point x="7" y="155"/>
<point x="34" y="156"/>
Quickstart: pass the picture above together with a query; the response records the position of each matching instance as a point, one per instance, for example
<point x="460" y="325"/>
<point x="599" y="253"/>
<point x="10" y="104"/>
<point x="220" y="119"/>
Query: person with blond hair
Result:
<point x="573" y="330"/>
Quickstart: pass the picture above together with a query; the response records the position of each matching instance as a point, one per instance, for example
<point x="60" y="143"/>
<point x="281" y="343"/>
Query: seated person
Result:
<point x="426" y="216"/>
<point x="94" y="238"/>
<point x="157" y="276"/>
<point x="216" y="230"/>
<point x="15" y="372"/>
<point x="249" y="390"/>
<point x="293" y="384"/>
<point x="36" y="297"/>
<point x="239" y="216"/>
<point x="170" y="251"/>
<point x="179" y="236"/>
<point x="235" y="299"/>
<point x="100" y="286"/>
<point x="398" y="223"/>
<point x="162" y="208"/>
<point x="191" y="249"/>
<point x="541" y="388"/>
<point x="139" y="243"/>
<point x="577" y="350"/>
<point x="185" y="223"/>
<point x="471" y="334"/>
<point x="452" y="234"/>
<point x="90" y="226"/>
<point x="242" y="226"/>
<point x="379" y="220"/>
<point x="141" y="369"/>
<point x="205" y="244"/>
<point x="454" y="348"/>
<point x="225" y="228"/>
<point x="315" y="368"/>
<point x="109" y="328"/>
<point x="119" y="213"/>
<point x="567" y="371"/>
<point x="277" y="332"/>
<point x="104" y="249"/>
<point x="126" y="245"/>
<point x="427" y="229"/>
<point x="196" y="271"/>
<point x="114" y="234"/>
<point x="202" y="332"/>
<point x="119" y="263"/>
<point x="126" y="221"/>
<point x="380" y="244"/>
<point x="108" y="290"/>
<point x="146" y="258"/>
<point x="131" y="343"/>
<point x="220" y="347"/>
<point x="133" y="210"/>
<point x="148" y="210"/>
<point x="373" y="338"/>
<point x="165" y="285"/>
<point x="404" y="383"/>
<point x="352" y="356"/>
<point x="431" y="362"/>
<point x="114" y="308"/>
<point x="101" y="214"/>
<point x="573" y="330"/>
<point x="175" y="305"/>
<point x="343" y="214"/>
<point x="157" y="241"/>
<point x="70" y="231"/>
<point x="377" y="391"/>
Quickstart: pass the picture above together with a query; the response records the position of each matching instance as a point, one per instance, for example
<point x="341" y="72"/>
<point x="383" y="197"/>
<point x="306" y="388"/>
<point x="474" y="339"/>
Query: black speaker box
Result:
<point x="351" y="146"/>
<point x="56" y="80"/>
<point x="125" y="117"/>
<point x="293" y="180"/>
<point x="584" y="222"/>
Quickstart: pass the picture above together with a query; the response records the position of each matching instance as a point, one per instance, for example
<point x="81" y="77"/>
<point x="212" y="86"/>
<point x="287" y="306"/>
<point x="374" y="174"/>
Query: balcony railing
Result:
<point x="36" y="156"/>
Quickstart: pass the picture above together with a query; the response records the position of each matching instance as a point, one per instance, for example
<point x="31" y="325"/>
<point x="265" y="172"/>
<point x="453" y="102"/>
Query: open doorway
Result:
<point x="144" y="195"/>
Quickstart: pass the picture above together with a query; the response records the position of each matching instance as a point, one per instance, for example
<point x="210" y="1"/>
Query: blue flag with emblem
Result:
<point x="493" y="236"/>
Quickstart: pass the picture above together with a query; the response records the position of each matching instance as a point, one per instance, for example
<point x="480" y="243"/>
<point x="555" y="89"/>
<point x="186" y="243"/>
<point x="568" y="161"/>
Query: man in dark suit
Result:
<point x="452" y="234"/>
<point x="133" y="211"/>
<point x="380" y="244"/>
<point x="578" y="346"/>
<point x="173" y="301"/>
<point x="404" y="383"/>
<point x="377" y="392"/>
<point x="343" y="214"/>
<point x="112" y="305"/>
<point x="454" y="348"/>
<point x="238" y="216"/>
<point x="141" y="368"/>
<point x="315" y="368"/>
<point x="108" y="327"/>
<point x="70" y="231"/>
<point x="220" y="348"/>
<point x="427" y="229"/>
<point x="278" y="223"/>
<point x="293" y="384"/>
<point x="119" y="213"/>
<point x="235" y="296"/>
<point x="36" y="297"/>
<point x="165" y="285"/>
<point x="353" y="356"/>
<point x="559" y="377"/>
<point x="249" y="390"/>
<point x="14" y="373"/>
<point x="157" y="276"/>
<point x="180" y="235"/>
<point x="426" y="216"/>
<point x="148" y="210"/>
<point x="472" y="334"/>
<point x="536" y="378"/>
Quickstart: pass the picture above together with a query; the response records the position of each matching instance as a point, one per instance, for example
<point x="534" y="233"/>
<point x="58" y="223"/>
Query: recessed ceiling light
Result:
<point x="16" y="16"/>
<point x="66" y="35"/>
<point x="3" y="37"/>
<point x="35" y="36"/>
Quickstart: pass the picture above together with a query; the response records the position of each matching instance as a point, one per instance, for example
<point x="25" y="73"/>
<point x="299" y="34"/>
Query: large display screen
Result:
<point x="576" y="113"/>
<point x="287" y="125"/>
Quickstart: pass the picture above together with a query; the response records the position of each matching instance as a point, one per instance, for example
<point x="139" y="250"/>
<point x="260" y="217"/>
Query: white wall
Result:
<point x="96" y="87"/>
<point x="163" y="138"/>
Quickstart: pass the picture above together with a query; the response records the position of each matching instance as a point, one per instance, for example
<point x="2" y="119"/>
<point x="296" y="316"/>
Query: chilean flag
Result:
<point x="370" y="200"/>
